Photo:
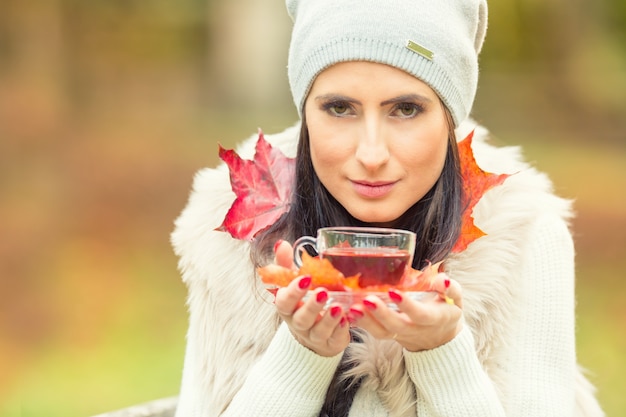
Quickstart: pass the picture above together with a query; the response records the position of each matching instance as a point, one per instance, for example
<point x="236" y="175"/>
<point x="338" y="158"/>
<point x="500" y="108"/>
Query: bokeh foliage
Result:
<point x="107" y="108"/>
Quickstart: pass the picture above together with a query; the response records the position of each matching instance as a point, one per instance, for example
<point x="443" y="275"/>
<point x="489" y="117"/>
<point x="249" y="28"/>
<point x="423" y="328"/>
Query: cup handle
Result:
<point x="298" y="247"/>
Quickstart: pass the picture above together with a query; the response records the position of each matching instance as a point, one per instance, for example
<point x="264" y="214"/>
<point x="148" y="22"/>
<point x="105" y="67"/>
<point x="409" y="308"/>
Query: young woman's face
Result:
<point x="378" y="138"/>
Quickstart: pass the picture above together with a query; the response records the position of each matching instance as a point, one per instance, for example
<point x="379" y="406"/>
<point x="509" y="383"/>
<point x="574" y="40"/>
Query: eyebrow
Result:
<point x="336" y="97"/>
<point x="400" y="99"/>
<point x="407" y="98"/>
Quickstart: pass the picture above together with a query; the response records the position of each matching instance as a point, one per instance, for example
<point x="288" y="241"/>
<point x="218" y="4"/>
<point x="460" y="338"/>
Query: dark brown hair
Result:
<point x="435" y="218"/>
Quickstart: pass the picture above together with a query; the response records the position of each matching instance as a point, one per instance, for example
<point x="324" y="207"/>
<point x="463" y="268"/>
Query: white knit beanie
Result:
<point x="437" y="41"/>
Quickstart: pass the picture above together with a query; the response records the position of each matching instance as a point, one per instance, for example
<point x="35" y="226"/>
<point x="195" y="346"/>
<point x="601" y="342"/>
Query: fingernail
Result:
<point x="335" y="311"/>
<point x="369" y="304"/>
<point x="357" y="314"/>
<point x="395" y="296"/>
<point x="446" y="282"/>
<point x="277" y="244"/>
<point x="322" y="296"/>
<point x="305" y="282"/>
<point x="343" y="321"/>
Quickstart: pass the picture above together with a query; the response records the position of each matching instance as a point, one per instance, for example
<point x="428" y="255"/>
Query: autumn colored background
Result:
<point x="107" y="108"/>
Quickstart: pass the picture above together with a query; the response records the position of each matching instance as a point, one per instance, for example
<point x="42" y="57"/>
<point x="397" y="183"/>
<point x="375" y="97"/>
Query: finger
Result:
<point x="283" y="252"/>
<point x="432" y="322"/>
<point x="376" y="317"/>
<point x="423" y="313"/>
<point x="449" y="289"/>
<point x="308" y="314"/>
<point x="341" y="333"/>
<point x="327" y="325"/>
<point x="288" y="299"/>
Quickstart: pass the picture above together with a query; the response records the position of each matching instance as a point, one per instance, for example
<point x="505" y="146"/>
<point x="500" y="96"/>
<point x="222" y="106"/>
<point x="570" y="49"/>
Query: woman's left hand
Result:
<point x="417" y="325"/>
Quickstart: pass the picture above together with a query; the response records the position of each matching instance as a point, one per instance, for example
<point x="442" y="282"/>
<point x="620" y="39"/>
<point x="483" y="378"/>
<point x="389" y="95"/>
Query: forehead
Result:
<point x="368" y="78"/>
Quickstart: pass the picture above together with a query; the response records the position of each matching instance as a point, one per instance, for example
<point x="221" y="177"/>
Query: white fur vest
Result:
<point x="232" y="319"/>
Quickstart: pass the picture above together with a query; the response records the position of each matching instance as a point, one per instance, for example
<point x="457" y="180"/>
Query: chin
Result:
<point x="376" y="220"/>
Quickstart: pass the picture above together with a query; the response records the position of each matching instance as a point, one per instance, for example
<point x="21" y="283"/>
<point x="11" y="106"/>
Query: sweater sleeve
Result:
<point x="450" y="380"/>
<point x="541" y="360"/>
<point x="288" y="380"/>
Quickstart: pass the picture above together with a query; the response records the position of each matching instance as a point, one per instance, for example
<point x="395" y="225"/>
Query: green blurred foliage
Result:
<point x="107" y="108"/>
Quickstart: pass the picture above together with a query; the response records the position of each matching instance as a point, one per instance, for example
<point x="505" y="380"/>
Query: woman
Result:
<point x="383" y="89"/>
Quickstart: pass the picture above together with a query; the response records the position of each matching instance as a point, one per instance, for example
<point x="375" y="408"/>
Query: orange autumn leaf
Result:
<point x="324" y="274"/>
<point x="420" y="280"/>
<point x="476" y="183"/>
<point x="273" y="274"/>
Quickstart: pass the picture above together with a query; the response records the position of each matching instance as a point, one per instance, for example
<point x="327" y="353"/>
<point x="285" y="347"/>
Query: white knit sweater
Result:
<point x="515" y="356"/>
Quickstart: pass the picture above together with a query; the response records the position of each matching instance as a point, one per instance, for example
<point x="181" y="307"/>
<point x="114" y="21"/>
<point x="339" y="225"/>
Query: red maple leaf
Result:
<point x="476" y="183"/>
<point x="263" y="188"/>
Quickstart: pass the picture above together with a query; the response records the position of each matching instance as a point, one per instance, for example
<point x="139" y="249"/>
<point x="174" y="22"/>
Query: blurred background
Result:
<point x="107" y="108"/>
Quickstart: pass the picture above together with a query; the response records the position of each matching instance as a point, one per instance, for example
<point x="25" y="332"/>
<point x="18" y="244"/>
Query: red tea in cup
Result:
<point x="376" y="267"/>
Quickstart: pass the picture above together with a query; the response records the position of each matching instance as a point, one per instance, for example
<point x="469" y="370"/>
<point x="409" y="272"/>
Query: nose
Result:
<point x="372" y="151"/>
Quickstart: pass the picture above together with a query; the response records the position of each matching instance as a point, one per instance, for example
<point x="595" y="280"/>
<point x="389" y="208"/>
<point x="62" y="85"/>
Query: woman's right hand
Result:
<point x="324" y="331"/>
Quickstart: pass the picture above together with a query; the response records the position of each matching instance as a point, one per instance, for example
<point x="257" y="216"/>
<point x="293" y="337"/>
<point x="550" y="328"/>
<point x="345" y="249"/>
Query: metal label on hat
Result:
<point x="419" y="49"/>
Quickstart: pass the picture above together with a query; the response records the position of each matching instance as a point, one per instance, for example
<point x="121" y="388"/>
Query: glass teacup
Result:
<point x="380" y="256"/>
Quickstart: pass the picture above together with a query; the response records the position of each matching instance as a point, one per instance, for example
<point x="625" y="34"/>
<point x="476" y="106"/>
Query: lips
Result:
<point x="372" y="189"/>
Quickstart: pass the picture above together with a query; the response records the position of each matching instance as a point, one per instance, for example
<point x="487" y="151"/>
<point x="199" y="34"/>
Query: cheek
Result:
<point x="326" y="154"/>
<point x="423" y="146"/>
<point x="329" y="147"/>
<point x="434" y="155"/>
<point x="425" y="162"/>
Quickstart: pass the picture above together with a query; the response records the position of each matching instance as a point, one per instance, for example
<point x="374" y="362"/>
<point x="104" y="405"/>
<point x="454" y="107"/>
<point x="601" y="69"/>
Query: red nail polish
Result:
<point x="335" y="311"/>
<point x="343" y="321"/>
<point x="305" y="282"/>
<point x="369" y="304"/>
<point x="357" y="314"/>
<point x="277" y="244"/>
<point x="322" y="296"/>
<point x="395" y="296"/>
<point x="446" y="282"/>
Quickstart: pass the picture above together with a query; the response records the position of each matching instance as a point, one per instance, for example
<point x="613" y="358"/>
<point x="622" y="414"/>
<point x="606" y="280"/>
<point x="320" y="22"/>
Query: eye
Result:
<point x="406" y="110"/>
<point x="338" y="108"/>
